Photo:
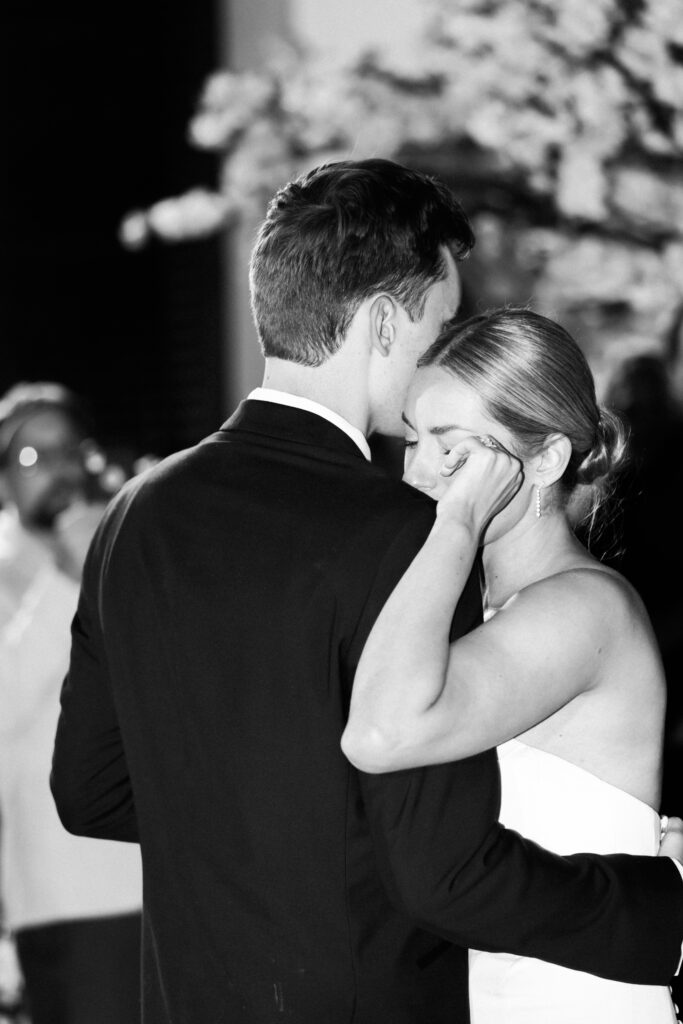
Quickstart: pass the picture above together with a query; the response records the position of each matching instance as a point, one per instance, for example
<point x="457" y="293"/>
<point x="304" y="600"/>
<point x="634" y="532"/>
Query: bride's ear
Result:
<point x="383" y="321"/>
<point x="551" y="462"/>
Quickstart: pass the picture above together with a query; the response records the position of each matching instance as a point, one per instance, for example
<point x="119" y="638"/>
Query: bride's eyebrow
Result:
<point x="436" y="431"/>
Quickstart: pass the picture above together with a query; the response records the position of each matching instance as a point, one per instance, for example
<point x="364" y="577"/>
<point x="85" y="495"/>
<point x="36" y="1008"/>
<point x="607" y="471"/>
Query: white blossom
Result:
<point x="576" y="106"/>
<point x="134" y="230"/>
<point x="195" y="214"/>
<point x="646" y="199"/>
<point x="581" y="184"/>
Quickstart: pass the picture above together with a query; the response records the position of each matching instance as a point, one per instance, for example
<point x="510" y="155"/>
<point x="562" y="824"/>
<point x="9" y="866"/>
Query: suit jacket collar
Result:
<point x="265" y="394"/>
<point x="284" y="422"/>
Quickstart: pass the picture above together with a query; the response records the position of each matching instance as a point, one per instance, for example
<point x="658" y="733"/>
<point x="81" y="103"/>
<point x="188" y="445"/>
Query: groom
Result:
<point x="224" y="607"/>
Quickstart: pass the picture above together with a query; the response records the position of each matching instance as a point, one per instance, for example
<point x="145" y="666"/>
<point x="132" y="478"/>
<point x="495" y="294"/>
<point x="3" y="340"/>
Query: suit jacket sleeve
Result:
<point x="89" y="780"/>
<point x="448" y="862"/>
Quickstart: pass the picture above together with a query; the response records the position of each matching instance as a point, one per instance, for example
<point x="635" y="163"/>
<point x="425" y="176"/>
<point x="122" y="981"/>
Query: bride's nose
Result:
<point x="420" y="474"/>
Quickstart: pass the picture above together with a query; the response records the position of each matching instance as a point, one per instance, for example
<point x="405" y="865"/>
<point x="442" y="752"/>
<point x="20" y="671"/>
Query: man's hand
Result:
<point x="671" y="844"/>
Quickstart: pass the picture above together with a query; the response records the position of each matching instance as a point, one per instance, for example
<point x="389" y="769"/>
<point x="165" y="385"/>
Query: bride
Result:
<point x="563" y="675"/>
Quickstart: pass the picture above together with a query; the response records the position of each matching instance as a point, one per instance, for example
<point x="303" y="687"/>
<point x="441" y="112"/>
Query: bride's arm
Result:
<point x="419" y="700"/>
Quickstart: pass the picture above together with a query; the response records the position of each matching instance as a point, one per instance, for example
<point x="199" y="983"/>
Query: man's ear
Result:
<point x="551" y="462"/>
<point x="383" y="317"/>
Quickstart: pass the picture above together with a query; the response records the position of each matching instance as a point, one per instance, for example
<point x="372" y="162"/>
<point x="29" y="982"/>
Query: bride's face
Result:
<point x="440" y="411"/>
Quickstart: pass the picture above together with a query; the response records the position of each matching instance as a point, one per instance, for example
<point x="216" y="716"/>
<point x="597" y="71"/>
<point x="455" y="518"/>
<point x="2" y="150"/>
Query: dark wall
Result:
<point x="96" y="102"/>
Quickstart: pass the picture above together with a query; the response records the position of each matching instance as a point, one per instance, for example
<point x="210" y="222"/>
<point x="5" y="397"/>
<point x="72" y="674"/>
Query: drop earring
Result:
<point x="538" y="503"/>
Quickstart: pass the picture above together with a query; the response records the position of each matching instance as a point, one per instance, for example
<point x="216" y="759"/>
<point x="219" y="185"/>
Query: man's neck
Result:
<point x="332" y="385"/>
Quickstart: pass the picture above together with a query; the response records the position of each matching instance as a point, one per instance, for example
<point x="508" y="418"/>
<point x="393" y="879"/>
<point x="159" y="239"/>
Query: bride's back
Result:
<point x="614" y="727"/>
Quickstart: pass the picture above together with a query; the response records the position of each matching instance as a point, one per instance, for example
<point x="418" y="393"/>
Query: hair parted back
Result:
<point x="340" y="234"/>
<point x="533" y="378"/>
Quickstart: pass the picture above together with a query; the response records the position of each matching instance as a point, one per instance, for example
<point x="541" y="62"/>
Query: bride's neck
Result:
<point x="530" y="552"/>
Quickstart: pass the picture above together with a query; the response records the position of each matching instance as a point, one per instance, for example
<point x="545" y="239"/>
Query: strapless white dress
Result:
<point x="566" y="809"/>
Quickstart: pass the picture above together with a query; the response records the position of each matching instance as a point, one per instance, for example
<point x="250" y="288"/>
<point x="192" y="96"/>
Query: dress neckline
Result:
<point x="491" y="610"/>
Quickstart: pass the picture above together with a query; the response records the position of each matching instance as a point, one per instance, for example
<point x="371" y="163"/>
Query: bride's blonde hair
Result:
<point x="533" y="378"/>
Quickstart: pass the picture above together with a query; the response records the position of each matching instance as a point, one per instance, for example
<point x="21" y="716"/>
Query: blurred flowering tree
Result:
<point x="559" y="125"/>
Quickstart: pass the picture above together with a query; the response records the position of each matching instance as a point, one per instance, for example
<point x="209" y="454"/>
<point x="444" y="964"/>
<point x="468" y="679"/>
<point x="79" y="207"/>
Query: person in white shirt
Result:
<point x="72" y="904"/>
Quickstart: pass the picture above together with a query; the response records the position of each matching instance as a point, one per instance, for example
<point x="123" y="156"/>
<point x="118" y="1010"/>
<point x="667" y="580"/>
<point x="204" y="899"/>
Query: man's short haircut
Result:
<point x="25" y="399"/>
<point x="340" y="234"/>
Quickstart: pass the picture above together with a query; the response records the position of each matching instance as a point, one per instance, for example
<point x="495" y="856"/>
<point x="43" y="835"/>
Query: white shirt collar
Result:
<point x="308" y="405"/>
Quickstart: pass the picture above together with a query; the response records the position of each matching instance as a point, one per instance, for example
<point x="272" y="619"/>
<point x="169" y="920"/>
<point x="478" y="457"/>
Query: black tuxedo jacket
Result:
<point x="224" y="607"/>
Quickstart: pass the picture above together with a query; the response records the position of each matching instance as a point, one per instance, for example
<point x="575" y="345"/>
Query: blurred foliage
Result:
<point x="560" y="126"/>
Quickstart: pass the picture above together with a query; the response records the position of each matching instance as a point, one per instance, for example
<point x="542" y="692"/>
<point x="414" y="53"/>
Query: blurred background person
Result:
<point x="72" y="904"/>
<point x="11" y="982"/>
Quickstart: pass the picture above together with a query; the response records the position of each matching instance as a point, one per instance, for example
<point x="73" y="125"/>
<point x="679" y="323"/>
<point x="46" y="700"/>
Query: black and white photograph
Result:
<point x="341" y="586"/>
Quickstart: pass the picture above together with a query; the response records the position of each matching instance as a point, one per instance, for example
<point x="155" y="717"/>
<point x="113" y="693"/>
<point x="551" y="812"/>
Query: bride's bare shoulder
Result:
<point x="594" y="591"/>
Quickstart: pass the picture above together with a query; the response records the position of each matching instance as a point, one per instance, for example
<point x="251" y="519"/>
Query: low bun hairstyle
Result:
<point x="534" y="380"/>
<point x="609" y="452"/>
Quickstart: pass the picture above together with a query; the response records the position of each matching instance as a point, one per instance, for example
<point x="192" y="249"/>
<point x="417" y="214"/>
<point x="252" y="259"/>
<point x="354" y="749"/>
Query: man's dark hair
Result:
<point x="25" y="399"/>
<point x="336" y="236"/>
